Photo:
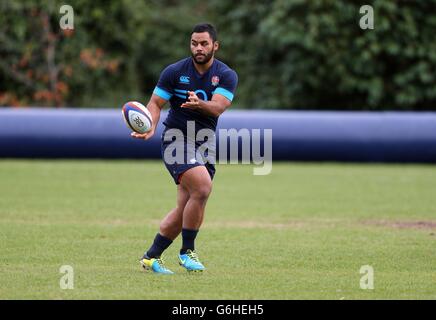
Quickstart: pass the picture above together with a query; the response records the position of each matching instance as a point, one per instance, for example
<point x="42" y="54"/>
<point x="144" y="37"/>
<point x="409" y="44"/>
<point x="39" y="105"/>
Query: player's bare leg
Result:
<point x="171" y="225"/>
<point x="199" y="185"/>
<point x="170" y="228"/>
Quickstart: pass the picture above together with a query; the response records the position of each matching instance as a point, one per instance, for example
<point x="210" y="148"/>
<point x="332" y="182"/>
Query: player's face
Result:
<point x="202" y="47"/>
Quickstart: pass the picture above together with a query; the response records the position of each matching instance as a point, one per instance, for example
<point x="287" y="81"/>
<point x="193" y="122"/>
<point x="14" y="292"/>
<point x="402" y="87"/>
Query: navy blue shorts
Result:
<point x="177" y="162"/>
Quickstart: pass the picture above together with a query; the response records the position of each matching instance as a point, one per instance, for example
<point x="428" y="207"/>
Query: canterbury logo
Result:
<point x="138" y="122"/>
<point x="184" y="79"/>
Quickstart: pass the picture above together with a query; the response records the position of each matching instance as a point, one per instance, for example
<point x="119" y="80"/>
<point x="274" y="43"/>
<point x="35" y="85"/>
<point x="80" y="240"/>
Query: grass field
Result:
<point x="302" y="232"/>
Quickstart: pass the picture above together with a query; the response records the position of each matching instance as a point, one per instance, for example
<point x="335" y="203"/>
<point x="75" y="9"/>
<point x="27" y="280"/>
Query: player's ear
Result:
<point x="216" y="46"/>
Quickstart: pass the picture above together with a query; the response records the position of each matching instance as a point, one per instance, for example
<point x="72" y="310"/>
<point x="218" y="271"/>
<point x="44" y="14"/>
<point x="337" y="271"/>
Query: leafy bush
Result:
<point x="291" y="54"/>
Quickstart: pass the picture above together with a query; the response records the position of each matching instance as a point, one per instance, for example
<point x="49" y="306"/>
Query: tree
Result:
<point x="290" y="54"/>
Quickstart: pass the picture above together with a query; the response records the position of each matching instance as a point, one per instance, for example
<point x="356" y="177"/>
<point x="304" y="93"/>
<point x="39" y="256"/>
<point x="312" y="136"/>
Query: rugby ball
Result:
<point x="137" y="117"/>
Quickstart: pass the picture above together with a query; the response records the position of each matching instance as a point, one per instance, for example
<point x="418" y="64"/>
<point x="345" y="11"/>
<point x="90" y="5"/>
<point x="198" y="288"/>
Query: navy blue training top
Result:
<point x="177" y="79"/>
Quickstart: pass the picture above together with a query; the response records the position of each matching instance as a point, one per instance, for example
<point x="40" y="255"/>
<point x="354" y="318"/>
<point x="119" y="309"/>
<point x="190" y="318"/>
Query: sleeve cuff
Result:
<point x="162" y="93"/>
<point x="226" y="93"/>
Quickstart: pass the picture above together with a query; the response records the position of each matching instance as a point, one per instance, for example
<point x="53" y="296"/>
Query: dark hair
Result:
<point x="205" y="27"/>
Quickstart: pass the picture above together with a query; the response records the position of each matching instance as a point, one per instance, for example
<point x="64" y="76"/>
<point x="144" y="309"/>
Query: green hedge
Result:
<point x="290" y="54"/>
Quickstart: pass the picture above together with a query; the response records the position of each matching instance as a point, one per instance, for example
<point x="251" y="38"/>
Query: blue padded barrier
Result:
<point x="297" y="135"/>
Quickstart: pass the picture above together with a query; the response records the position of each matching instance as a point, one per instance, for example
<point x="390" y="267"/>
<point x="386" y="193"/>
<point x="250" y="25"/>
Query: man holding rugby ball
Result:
<point x="199" y="88"/>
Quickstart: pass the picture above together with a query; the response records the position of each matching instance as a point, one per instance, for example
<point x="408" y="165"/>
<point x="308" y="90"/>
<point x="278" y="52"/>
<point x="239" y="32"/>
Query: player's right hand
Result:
<point x="144" y="136"/>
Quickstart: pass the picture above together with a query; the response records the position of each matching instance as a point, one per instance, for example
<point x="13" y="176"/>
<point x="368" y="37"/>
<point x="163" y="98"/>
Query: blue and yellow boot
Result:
<point x="190" y="261"/>
<point x="155" y="264"/>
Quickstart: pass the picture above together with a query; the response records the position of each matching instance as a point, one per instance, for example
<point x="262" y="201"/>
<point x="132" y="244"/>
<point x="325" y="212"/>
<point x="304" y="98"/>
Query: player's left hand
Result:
<point x="193" y="101"/>
<point x="144" y="136"/>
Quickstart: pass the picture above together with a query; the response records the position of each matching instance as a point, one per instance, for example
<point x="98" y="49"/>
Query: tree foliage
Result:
<point x="291" y="54"/>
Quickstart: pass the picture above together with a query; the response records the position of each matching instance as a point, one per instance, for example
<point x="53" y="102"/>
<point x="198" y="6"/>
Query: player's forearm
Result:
<point x="155" y="113"/>
<point x="211" y="108"/>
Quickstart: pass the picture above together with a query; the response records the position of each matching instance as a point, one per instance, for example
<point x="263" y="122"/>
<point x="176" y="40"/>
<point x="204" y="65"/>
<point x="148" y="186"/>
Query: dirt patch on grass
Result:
<point x="253" y="224"/>
<point x="259" y="224"/>
<point x="421" y="224"/>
